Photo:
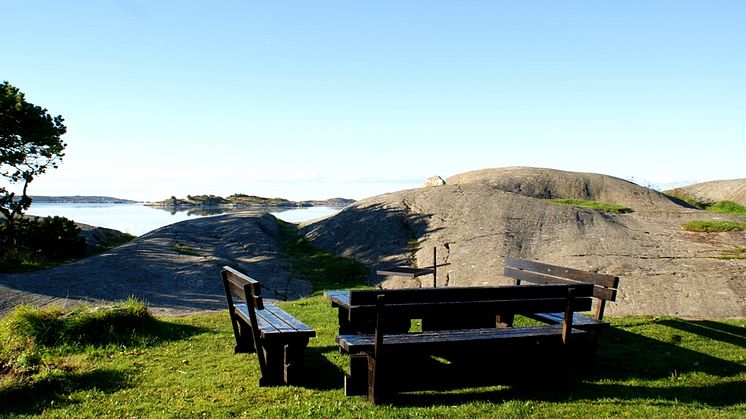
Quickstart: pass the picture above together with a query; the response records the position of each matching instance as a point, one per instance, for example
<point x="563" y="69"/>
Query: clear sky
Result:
<point x="317" y="99"/>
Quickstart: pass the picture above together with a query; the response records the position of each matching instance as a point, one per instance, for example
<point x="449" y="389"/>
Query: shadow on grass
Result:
<point x="629" y="367"/>
<point x="711" y="330"/>
<point x="320" y="373"/>
<point x="34" y="396"/>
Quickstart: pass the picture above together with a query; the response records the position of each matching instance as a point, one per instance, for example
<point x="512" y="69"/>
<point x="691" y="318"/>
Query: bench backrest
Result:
<point x="470" y="301"/>
<point x="604" y="286"/>
<point x="248" y="291"/>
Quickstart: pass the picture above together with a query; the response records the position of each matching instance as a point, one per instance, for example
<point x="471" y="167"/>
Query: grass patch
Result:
<point x="112" y="241"/>
<point x="183" y="249"/>
<point x="185" y="366"/>
<point x="30" y="335"/>
<point x="713" y="226"/>
<point x="726" y="207"/>
<point x="720" y="207"/>
<point x="735" y="253"/>
<point x="597" y="205"/>
<point x="323" y="269"/>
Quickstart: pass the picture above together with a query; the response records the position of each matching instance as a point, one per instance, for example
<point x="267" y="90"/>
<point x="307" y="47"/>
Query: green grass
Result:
<point x="713" y="226"/>
<point x="185" y="366"/>
<point x="323" y="269"/>
<point x="598" y="205"/>
<point x="720" y="207"/>
<point x="183" y="249"/>
<point x="111" y="242"/>
<point x="735" y="253"/>
<point x="727" y="207"/>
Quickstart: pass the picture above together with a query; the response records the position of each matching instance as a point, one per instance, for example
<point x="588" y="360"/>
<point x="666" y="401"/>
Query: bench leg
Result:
<point x="275" y="357"/>
<point x="244" y="340"/>
<point x="294" y="361"/>
<point x="375" y="395"/>
<point x="356" y="380"/>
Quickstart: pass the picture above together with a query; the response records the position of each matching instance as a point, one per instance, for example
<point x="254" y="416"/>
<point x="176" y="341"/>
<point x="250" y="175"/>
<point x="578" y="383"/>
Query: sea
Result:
<point x="138" y="219"/>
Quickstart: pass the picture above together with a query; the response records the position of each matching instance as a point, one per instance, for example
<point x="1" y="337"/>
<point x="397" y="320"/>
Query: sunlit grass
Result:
<point x="598" y="205"/>
<point x="727" y="207"/>
<point x="735" y="253"/>
<point x="323" y="269"/>
<point x="185" y="366"/>
<point x="713" y="226"/>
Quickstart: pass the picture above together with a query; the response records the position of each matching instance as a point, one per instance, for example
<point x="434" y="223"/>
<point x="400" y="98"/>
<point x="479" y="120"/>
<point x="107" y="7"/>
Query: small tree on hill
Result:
<point x="29" y="144"/>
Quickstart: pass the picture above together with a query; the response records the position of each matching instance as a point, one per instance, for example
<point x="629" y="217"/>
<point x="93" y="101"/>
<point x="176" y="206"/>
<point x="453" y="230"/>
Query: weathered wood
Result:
<point x="605" y="286"/>
<point x="604" y="280"/>
<point x="278" y="338"/>
<point x="383" y="348"/>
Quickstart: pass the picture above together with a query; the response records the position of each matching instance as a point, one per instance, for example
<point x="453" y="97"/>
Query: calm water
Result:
<point x="138" y="219"/>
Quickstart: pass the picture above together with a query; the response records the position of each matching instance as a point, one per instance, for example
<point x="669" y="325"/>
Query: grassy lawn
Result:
<point x="185" y="366"/>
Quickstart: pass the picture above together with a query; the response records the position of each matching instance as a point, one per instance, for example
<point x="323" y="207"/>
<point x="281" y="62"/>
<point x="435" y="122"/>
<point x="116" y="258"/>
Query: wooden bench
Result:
<point x="278" y="339"/>
<point x="382" y="361"/>
<point x="604" y="289"/>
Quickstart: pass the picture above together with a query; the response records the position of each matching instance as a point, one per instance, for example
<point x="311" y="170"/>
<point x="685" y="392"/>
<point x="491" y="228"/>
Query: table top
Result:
<point x="405" y="271"/>
<point x="338" y="297"/>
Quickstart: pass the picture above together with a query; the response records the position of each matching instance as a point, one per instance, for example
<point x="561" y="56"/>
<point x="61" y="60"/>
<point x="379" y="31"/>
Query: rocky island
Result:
<point x="243" y="201"/>
<point x="80" y="199"/>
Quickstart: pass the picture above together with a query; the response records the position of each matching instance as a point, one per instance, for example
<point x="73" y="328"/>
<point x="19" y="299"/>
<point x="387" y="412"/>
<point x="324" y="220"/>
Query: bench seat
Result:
<point x="579" y="321"/>
<point x="274" y="323"/>
<point x="448" y="339"/>
<point x="278" y="339"/>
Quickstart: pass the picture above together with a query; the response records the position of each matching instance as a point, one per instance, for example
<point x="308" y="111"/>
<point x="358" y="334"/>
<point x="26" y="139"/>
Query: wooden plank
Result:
<point x="339" y="297"/>
<point x="243" y="286"/>
<point x="605" y="280"/>
<point x="405" y="271"/>
<point x="365" y="343"/>
<point x="286" y="318"/>
<point x="538" y="278"/>
<point x="420" y="310"/>
<point x="463" y="294"/>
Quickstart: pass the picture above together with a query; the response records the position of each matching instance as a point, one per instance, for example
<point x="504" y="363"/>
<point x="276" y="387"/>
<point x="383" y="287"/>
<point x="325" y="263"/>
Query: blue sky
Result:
<point x="315" y="99"/>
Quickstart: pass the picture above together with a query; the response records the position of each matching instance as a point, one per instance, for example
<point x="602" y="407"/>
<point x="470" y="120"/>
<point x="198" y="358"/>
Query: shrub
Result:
<point x="50" y="237"/>
<point x="39" y="242"/>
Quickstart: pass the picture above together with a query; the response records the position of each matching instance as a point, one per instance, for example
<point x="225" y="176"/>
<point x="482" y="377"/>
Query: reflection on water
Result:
<point x="138" y="219"/>
<point x="202" y="212"/>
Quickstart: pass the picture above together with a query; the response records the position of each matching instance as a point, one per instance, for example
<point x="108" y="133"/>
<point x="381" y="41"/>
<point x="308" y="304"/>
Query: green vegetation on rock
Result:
<point x="598" y="205"/>
<point x="713" y="226"/>
<point x="183" y="249"/>
<point x="323" y="269"/>
<point x="720" y="207"/>
<point x="735" y="253"/>
<point x="727" y="207"/>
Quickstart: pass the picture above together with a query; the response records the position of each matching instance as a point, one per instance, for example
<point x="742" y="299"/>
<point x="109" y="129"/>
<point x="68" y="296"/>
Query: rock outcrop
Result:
<point x="479" y="217"/>
<point x="717" y="190"/>
<point x="174" y="268"/>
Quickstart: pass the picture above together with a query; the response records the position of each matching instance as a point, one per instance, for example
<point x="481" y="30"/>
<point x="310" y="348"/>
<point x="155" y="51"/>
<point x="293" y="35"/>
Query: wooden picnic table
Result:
<point x="461" y="325"/>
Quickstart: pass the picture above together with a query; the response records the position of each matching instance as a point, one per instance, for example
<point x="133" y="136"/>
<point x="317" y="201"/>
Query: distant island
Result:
<point x="78" y="199"/>
<point x="243" y="201"/>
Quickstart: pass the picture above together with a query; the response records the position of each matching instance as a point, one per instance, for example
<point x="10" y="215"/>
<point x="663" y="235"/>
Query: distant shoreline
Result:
<point x="80" y="199"/>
